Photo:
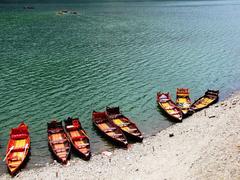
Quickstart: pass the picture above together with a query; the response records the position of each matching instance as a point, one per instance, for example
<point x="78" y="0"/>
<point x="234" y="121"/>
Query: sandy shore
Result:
<point x="205" y="146"/>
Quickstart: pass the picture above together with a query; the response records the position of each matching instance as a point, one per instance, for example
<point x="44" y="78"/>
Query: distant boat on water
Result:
<point x="63" y="12"/>
<point x="28" y="7"/>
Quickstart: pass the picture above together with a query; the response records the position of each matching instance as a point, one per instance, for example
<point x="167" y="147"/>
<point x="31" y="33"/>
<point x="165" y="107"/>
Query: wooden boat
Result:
<point x="210" y="97"/>
<point x="165" y="102"/>
<point x="58" y="142"/>
<point x="108" y="128"/>
<point x="18" y="148"/>
<point x="78" y="137"/>
<point x="127" y="126"/>
<point x="183" y="100"/>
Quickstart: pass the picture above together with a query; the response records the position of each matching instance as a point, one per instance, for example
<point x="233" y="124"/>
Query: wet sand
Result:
<point x="204" y="146"/>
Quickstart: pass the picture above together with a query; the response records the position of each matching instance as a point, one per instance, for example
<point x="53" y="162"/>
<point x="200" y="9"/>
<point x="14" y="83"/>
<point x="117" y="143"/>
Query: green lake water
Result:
<point x="110" y="54"/>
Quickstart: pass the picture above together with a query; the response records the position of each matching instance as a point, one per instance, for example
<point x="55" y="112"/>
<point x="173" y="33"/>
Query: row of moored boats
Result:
<point x="67" y="136"/>
<point x="183" y="105"/>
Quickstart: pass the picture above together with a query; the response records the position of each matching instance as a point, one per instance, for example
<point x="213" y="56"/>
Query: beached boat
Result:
<point x="18" y="148"/>
<point x="210" y="97"/>
<point x="165" y="102"/>
<point x="78" y="137"/>
<point x="183" y="100"/>
<point x="129" y="128"/>
<point x="108" y="128"/>
<point x="58" y="142"/>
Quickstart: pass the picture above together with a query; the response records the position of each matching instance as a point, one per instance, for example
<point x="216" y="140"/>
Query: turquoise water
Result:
<point x="110" y="54"/>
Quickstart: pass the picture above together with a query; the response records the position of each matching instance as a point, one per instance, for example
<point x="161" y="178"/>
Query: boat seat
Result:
<point x="99" y="121"/>
<point x="58" y="150"/>
<point x="164" y="100"/>
<point x="14" y="158"/>
<point x="137" y="133"/>
<point x="19" y="136"/>
<point x="14" y="165"/>
<point x="124" y="124"/>
<point x="58" y="141"/>
<point x="175" y="113"/>
<point x="121" y="139"/>
<point x="169" y="108"/>
<point x="54" y="131"/>
<point x="116" y="135"/>
<point x="72" y="128"/>
<point x="20" y="149"/>
<point x="110" y="130"/>
<point x="83" y="145"/>
<point x="76" y="138"/>
<point x="132" y="130"/>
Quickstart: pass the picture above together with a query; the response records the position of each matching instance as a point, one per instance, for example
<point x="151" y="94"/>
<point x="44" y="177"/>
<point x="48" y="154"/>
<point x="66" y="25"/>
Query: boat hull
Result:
<point x="122" y="143"/>
<point x="164" y="98"/>
<point x="114" y="115"/>
<point x="18" y="149"/>
<point x="58" y="142"/>
<point x="209" y="94"/>
<point x="183" y="100"/>
<point x="77" y="130"/>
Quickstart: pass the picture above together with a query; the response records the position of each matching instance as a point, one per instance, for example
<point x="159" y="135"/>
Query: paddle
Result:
<point x="25" y="148"/>
<point x="11" y="148"/>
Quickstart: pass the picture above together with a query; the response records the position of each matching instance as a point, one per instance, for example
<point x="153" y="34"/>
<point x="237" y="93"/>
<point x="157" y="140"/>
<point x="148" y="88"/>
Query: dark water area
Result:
<point x="110" y="54"/>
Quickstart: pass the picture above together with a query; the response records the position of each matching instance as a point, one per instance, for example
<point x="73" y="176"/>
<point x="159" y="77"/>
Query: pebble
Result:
<point x="212" y="116"/>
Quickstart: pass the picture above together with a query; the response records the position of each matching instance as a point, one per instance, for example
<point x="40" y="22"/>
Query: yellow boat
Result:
<point x="210" y="97"/>
<point x="183" y="100"/>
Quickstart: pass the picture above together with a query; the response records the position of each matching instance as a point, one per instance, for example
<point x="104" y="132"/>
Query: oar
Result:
<point x="25" y="148"/>
<point x="84" y="133"/>
<point x="11" y="148"/>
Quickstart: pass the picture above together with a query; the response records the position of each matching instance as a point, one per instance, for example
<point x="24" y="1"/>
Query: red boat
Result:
<point x="129" y="128"/>
<point x="58" y="142"/>
<point x="109" y="129"/>
<point x="78" y="137"/>
<point x="18" y="148"/>
<point x="165" y="102"/>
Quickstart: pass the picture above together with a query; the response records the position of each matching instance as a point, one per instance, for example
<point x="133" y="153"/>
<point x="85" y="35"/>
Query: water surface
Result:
<point x="110" y="54"/>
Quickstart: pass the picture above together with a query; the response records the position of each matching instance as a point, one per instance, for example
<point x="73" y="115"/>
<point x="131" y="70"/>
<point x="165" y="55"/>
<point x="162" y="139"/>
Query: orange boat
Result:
<point x="108" y="128"/>
<point x="129" y="128"/>
<point x="78" y="137"/>
<point x="183" y="100"/>
<point x="165" y="102"/>
<point x="58" y="142"/>
<point x="18" y="148"/>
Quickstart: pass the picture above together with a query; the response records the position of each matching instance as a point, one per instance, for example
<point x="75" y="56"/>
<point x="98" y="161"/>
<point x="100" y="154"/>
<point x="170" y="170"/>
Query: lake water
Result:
<point x="110" y="54"/>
